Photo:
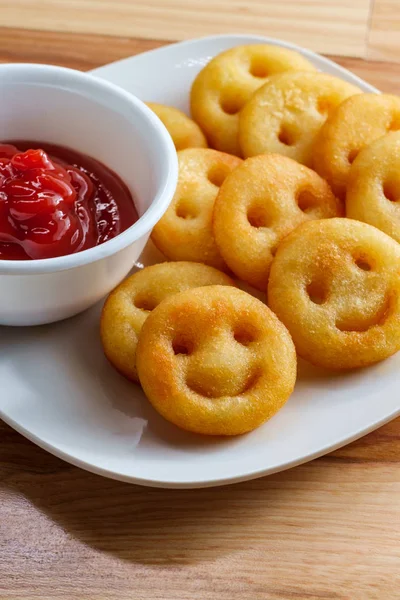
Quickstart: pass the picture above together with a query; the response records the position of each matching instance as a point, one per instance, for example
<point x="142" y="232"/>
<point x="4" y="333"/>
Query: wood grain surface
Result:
<point x="326" y="530"/>
<point x="384" y="30"/>
<point x="360" y="28"/>
<point x="336" y="26"/>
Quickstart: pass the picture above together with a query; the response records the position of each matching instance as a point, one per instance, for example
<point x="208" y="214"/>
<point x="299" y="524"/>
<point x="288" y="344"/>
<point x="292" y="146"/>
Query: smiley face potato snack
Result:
<point x="355" y="123"/>
<point x="373" y="188"/>
<point x="215" y="360"/>
<point x="258" y="204"/>
<point x="285" y="115"/>
<point x="335" y="285"/>
<point x="298" y="197"/>
<point x="185" y="133"/>
<point x="128" y="306"/>
<point x="228" y="81"/>
<point x="185" y="231"/>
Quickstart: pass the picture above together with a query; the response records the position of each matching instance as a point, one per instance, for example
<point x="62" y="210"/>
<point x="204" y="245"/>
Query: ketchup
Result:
<point x="55" y="201"/>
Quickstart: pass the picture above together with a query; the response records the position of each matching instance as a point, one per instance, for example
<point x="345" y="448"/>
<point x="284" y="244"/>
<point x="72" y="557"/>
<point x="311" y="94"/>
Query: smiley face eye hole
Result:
<point x="231" y="105"/>
<point x="186" y="210"/>
<point x="217" y="174"/>
<point x="183" y="347"/>
<point x="257" y="216"/>
<point x="286" y="135"/>
<point x="243" y="336"/>
<point x="363" y="263"/>
<point x="258" y="67"/>
<point x="306" y="201"/>
<point x="317" y="292"/>
<point x="389" y="191"/>
<point x="145" y="302"/>
<point x="352" y="155"/>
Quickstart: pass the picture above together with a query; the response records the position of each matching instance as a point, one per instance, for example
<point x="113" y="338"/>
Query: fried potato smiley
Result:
<point x="216" y="361"/>
<point x="224" y="85"/>
<point x="373" y="190"/>
<point x="335" y="284"/>
<point x="128" y="306"/>
<point x="185" y="230"/>
<point x="259" y="203"/>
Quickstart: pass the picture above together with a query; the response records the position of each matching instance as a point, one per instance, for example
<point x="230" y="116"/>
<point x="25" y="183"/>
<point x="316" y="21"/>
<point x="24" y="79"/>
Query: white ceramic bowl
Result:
<point x="79" y="111"/>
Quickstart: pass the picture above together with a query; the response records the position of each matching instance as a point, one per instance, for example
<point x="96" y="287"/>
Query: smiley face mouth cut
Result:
<point x="203" y="388"/>
<point x="364" y="324"/>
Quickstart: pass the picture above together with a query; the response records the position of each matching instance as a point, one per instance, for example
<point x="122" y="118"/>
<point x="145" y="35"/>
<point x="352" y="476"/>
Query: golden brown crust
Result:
<point x="335" y="284"/>
<point x="373" y="190"/>
<point x="286" y="114"/>
<point x="228" y="81"/>
<point x="184" y="131"/>
<point x="216" y="361"/>
<point x="354" y="124"/>
<point x="185" y="230"/>
<point x="128" y="306"/>
<point x="258" y="204"/>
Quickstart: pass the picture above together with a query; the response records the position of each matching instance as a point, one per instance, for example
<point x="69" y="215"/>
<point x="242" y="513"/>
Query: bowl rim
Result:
<point x="79" y="80"/>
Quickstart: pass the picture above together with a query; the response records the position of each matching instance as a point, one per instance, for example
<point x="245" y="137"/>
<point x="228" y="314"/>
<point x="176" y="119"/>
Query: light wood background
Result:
<point x="328" y="530"/>
<point x="362" y="28"/>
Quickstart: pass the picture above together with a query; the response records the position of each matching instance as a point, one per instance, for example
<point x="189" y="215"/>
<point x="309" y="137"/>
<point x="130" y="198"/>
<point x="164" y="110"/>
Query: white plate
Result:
<point x="58" y="390"/>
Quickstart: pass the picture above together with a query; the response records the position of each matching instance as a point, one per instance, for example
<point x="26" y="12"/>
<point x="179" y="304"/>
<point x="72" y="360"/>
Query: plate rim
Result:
<point x="259" y="472"/>
<point x="239" y="37"/>
<point x="195" y="484"/>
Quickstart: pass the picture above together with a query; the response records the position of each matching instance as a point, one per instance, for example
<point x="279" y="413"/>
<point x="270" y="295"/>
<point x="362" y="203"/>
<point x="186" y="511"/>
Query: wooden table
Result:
<point x="327" y="530"/>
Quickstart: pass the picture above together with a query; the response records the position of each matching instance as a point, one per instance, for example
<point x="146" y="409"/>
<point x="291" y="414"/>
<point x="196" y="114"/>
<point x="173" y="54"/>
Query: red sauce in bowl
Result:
<point x="55" y="201"/>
